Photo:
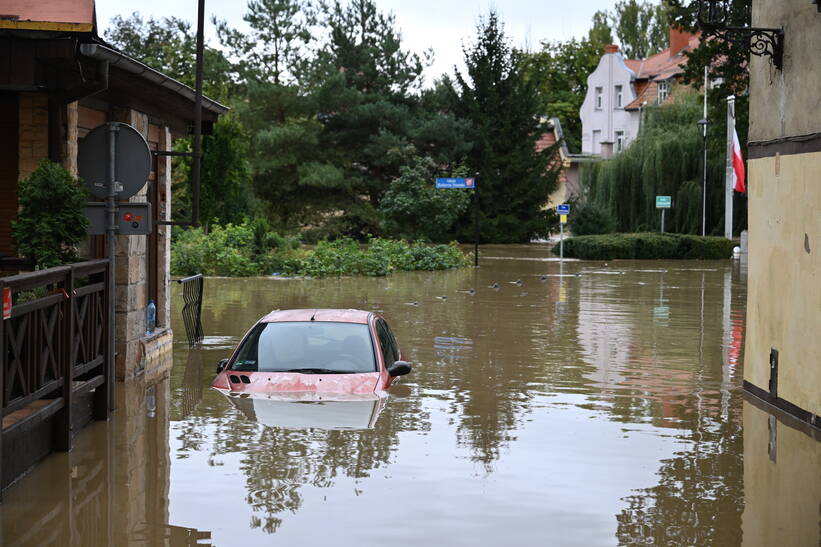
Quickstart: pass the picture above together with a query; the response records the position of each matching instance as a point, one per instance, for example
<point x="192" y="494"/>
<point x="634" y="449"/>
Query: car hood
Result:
<point x="279" y="382"/>
<point x="308" y="410"/>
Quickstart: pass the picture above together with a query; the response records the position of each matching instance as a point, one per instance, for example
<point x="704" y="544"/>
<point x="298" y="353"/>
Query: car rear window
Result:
<point x="316" y="346"/>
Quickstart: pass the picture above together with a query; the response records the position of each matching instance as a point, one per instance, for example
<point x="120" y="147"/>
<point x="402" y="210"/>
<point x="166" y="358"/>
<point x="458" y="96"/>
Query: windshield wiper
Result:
<point x="320" y="371"/>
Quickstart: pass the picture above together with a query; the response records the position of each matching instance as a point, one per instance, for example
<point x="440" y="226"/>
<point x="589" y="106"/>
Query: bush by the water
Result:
<point x="248" y="249"/>
<point x="646" y="246"/>
<point x="590" y="219"/>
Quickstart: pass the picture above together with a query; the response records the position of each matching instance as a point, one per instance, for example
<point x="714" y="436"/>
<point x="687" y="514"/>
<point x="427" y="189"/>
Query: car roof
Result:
<point x="315" y="314"/>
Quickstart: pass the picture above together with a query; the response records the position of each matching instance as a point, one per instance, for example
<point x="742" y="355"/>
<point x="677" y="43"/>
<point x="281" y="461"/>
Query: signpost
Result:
<point x="663" y="203"/>
<point x="563" y="210"/>
<point x="114" y="161"/>
<point x="468" y="183"/>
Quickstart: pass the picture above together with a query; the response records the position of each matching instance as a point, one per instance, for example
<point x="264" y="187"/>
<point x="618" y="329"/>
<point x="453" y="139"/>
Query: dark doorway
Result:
<point x="9" y="137"/>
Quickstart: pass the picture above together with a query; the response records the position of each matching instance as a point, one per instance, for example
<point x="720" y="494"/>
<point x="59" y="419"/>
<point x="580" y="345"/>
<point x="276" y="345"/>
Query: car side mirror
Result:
<point x="399" y="368"/>
<point x="221" y="365"/>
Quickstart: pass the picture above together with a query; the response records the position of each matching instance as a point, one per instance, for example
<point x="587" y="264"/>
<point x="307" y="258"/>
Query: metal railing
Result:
<point x="192" y="288"/>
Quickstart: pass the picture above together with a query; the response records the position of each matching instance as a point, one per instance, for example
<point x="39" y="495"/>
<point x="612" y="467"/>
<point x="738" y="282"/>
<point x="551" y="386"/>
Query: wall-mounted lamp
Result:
<point x="713" y="16"/>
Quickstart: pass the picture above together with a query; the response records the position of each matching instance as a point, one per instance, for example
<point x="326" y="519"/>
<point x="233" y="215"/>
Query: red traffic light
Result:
<point x="127" y="217"/>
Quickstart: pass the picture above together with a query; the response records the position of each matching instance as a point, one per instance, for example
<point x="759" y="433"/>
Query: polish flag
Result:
<point x="738" y="165"/>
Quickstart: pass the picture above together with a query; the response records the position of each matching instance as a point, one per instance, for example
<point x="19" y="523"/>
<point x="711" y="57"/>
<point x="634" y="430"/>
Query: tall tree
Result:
<point x="641" y="28"/>
<point x="168" y="44"/>
<point x="276" y="47"/>
<point x="505" y="109"/>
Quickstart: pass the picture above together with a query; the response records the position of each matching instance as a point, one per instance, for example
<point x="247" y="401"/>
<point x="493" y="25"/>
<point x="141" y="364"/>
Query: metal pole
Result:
<point x="704" y="176"/>
<point x="111" y="242"/>
<point x="195" y="165"/>
<point x="561" y="241"/>
<point x="728" y="177"/>
<point x="476" y="220"/>
<point x="662" y="221"/>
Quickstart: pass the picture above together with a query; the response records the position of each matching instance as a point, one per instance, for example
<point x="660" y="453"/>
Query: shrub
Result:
<point x="646" y="246"/>
<point x="590" y="219"/>
<point x="247" y="249"/>
<point x="51" y="221"/>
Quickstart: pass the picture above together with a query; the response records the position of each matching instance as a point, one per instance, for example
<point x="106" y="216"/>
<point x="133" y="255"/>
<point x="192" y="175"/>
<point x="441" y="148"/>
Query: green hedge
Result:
<point x="248" y="250"/>
<point x="647" y="246"/>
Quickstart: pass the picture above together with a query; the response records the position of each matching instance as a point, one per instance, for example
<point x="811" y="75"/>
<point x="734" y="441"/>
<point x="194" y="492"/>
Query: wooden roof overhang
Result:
<point x="75" y="66"/>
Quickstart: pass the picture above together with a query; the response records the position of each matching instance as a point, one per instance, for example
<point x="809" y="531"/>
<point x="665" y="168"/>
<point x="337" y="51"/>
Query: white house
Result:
<point x="619" y="88"/>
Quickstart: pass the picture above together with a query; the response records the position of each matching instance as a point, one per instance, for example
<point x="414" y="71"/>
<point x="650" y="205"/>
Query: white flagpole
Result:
<point x="728" y="183"/>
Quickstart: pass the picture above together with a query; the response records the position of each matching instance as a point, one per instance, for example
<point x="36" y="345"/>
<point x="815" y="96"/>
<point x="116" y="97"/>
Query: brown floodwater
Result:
<point x="592" y="404"/>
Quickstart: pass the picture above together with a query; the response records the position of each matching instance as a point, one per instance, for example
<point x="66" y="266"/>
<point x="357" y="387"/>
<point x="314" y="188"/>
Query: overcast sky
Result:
<point x="442" y="25"/>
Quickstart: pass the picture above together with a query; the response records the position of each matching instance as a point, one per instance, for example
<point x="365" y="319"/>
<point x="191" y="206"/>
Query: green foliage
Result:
<point x="647" y="246"/>
<point x="249" y="249"/>
<point x="589" y="219"/>
<point x="414" y="209"/>
<point x="502" y="103"/>
<point x="641" y="27"/>
<point x="226" y="185"/>
<point x="665" y="159"/>
<point x="51" y="221"/>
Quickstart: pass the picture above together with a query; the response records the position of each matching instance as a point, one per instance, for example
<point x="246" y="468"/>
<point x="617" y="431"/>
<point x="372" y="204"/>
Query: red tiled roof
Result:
<point x="63" y="15"/>
<point x="661" y="66"/>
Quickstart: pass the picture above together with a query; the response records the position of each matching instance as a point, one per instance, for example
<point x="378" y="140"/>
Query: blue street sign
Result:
<point x="563" y="209"/>
<point x="456" y="183"/>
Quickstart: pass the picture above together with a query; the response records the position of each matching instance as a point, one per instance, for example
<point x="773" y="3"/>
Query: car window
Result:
<point x="389" y="351"/>
<point x="320" y="345"/>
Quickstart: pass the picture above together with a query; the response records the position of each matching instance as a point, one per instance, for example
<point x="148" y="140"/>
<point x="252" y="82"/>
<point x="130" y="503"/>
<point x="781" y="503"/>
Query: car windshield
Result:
<point x="315" y="347"/>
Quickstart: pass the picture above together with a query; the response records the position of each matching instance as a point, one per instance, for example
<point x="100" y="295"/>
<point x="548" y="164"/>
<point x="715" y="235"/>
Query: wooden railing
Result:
<point x="53" y="348"/>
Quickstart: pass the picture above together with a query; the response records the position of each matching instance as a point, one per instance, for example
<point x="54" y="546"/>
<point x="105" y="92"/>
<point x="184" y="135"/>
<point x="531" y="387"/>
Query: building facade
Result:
<point x="782" y="362"/>
<point x="619" y="89"/>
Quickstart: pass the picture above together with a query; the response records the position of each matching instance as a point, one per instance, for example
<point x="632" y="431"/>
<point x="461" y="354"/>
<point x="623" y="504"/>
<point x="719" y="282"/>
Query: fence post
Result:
<point x="102" y="395"/>
<point x="62" y="439"/>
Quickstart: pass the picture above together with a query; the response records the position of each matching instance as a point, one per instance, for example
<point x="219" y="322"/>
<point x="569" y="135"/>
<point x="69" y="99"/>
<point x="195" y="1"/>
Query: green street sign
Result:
<point x="664" y="202"/>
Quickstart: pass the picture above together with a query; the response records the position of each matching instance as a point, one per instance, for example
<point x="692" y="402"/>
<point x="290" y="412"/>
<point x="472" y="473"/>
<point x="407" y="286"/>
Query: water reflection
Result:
<point x="589" y="404"/>
<point x="309" y="411"/>
<point x="111" y="489"/>
<point x="782" y="479"/>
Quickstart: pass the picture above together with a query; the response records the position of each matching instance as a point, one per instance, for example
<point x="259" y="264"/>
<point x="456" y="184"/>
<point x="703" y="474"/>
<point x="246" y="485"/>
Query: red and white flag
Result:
<point x="738" y="166"/>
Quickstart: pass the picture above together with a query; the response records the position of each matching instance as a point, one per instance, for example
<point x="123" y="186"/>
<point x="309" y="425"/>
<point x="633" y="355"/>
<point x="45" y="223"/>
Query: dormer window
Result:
<point x="599" y="97"/>
<point x="663" y="91"/>
<point x="619" y="97"/>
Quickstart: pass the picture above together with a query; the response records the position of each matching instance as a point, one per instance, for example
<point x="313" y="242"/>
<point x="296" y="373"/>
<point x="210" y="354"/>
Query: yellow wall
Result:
<point x="782" y="489"/>
<point x="784" y="290"/>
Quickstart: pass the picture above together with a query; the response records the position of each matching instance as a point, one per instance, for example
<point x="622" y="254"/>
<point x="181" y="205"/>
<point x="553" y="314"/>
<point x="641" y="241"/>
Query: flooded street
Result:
<point x="590" y="404"/>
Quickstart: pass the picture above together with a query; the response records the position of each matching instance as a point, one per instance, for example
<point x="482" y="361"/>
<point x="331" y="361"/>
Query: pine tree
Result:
<point x="504" y="108"/>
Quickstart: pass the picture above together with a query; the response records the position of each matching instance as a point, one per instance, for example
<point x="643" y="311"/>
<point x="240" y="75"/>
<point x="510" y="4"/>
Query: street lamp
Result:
<point x="703" y="123"/>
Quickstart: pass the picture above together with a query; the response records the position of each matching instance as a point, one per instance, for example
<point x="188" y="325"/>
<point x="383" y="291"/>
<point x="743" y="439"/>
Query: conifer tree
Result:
<point x="504" y="108"/>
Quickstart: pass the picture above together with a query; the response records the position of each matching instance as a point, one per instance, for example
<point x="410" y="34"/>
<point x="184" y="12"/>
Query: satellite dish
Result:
<point x="132" y="161"/>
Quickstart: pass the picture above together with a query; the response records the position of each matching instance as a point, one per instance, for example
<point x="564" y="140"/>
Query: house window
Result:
<point x="596" y="142"/>
<point x="599" y="93"/>
<point x="619" y="97"/>
<point x="619" y="141"/>
<point x="663" y="91"/>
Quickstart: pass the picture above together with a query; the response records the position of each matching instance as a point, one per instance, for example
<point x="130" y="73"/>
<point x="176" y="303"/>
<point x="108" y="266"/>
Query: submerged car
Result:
<point x="314" y="350"/>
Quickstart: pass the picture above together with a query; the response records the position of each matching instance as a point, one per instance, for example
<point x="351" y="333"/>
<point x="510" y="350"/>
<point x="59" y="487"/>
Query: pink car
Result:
<point x="314" y="351"/>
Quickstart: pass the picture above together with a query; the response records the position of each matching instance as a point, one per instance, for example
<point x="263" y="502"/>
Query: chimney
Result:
<point x="678" y="40"/>
<point x="611" y="48"/>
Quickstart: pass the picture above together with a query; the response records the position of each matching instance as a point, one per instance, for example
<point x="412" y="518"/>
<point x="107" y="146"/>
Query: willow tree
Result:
<point x="665" y="159"/>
